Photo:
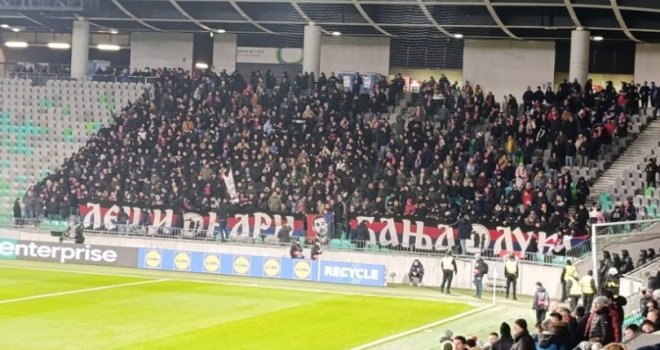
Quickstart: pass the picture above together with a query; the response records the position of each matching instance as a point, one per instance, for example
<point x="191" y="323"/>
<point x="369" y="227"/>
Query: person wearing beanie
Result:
<point x="598" y="325"/>
<point x="449" y="335"/>
<point x="506" y="340"/>
<point x="522" y="341"/>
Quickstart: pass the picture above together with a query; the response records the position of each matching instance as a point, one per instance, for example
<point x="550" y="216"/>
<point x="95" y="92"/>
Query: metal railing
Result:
<point x="41" y="79"/>
<point x="639" y="272"/>
<point x="217" y="236"/>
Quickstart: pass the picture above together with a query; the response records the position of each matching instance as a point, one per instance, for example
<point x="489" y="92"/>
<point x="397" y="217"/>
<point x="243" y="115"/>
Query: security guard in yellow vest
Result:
<point x="588" y="288"/>
<point x="568" y="271"/>
<point x="449" y="268"/>
<point x="511" y="271"/>
<point x="574" y="290"/>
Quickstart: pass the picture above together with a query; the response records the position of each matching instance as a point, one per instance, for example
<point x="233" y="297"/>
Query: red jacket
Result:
<point x="615" y="322"/>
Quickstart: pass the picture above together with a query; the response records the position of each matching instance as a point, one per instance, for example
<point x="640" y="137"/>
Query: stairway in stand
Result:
<point x="628" y="160"/>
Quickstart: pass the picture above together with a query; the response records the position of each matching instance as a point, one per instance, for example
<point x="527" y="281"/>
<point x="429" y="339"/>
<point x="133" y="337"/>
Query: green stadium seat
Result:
<point x="652" y="211"/>
<point x="373" y="247"/>
<point x="604" y="197"/>
<point x="335" y="243"/>
<point x="6" y="220"/>
<point x="649" y="192"/>
<point x="54" y="225"/>
<point x="559" y="260"/>
<point x="346" y="244"/>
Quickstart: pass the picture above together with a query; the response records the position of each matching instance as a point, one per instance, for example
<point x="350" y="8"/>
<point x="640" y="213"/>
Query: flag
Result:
<point x="231" y="187"/>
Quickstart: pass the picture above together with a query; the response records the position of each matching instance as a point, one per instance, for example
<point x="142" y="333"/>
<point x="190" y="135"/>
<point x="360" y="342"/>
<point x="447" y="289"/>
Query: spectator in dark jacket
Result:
<point x="296" y="250"/>
<point x="362" y="234"/>
<point x="506" y="340"/>
<point x="573" y="327"/>
<point x="522" y="341"/>
<point x="627" y="263"/>
<point x="316" y="249"/>
<point x="416" y="272"/>
<point x="17" y="213"/>
<point x="464" y="231"/>
<point x="650" y="170"/>
<point x="284" y="234"/>
<point x="598" y="326"/>
<point x="616" y="317"/>
<point x="480" y="270"/>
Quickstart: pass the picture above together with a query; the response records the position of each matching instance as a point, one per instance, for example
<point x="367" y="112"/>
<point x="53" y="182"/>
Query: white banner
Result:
<point x="269" y="55"/>
<point x="231" y="187"/>
<point x="347" y="81"/>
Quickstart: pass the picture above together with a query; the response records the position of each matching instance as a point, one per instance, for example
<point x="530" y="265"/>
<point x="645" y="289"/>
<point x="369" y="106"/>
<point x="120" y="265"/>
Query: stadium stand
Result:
<point x="338" y="152"/>
<point x="43" y="125"/>
<point x="308" y="146"/>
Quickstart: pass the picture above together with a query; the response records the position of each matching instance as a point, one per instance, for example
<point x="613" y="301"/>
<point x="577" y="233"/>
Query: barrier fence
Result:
<point x="40" y="79"/>
<point x="343" y="243"/>
<point x="261" y="266"/>
<point x="193" y="261"/>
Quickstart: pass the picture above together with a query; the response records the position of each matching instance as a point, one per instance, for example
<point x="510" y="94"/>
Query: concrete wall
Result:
<point x="508" y="66"/>
<point x="171" y="50"/>
<point x="398" y="264"/>
<point x="224" y="52"/>
<point x="647" y="67"/>
<point x="352" y="54"/>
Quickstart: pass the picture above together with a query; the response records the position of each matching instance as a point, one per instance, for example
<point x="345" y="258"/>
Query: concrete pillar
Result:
<point x="579" y="62"/>
<point x="312" y="50"/>
<point x="224" y="52"/>
<point x="79" y="49"/>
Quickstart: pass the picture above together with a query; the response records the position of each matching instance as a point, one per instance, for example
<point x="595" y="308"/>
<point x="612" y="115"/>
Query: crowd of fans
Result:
<point x="300" y="144"/>
<point x="599" y="324"/>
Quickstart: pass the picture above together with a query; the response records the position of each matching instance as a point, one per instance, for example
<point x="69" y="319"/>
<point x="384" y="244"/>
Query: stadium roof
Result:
<point x="632" y="20"/>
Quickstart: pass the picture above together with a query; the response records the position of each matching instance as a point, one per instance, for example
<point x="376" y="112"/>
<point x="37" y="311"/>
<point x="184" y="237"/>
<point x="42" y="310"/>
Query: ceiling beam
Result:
<point x="368" y="19"/>
<point x="571" y="12"/>
<point x="33" y="20"/>
<point x="191" y="18"/>
<point x="302" y="14"/>
<point x="622" y="22"/>
<point x="497" y="20"/>
<point x="129" y="14"/>
<point x="428" y="15"/>
<point x="245" y="15"/>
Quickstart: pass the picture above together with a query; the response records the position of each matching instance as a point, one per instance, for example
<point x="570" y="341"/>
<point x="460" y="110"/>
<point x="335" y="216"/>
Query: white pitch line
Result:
<point x="78" y="291"/>
<point x="419" y="329"/>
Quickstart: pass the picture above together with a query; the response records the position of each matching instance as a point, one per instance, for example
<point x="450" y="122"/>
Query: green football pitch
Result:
<point x="44" y="306"/>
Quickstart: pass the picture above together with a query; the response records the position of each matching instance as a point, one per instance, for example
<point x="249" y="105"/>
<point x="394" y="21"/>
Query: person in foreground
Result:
<point x="522" y="340"/>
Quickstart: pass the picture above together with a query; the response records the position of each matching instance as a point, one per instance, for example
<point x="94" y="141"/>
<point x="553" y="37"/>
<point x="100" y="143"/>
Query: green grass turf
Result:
<point x="195" y="315"/>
